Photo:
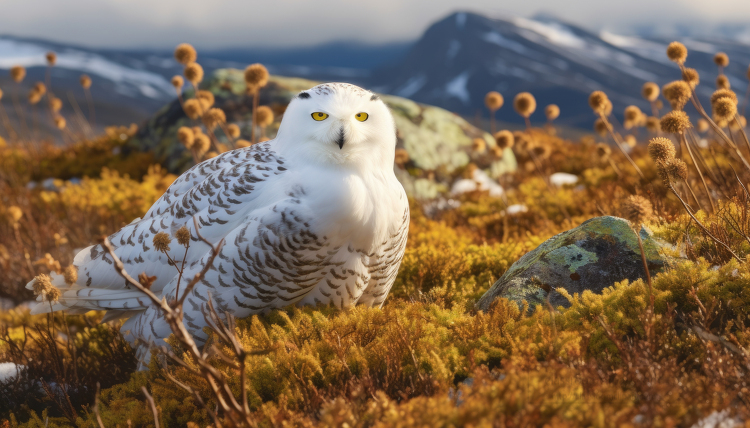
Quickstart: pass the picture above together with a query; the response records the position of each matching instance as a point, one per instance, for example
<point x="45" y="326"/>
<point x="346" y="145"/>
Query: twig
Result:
<point x="152" y="405"/>
<point x="96" y="407"/>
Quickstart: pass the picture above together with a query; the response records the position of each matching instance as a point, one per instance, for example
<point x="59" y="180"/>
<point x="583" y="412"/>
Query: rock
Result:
<point x="436" y="139"/>
<point x="594" y="255"/>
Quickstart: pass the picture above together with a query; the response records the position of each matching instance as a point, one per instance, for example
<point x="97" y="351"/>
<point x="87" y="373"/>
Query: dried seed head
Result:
<point x="478" y="145"/>
<point x="653" y="124"/>
<point x="201" y="144"/>
<point x="53" y="294"/>
<point x="598" y="101"/>
<point x="603" y="151"/>
<point x="504" y="139"/>
<point x="212" y="154"/>
<point x="493" y="100"/>
<point x="42" y="284"/>
<point x="178" y="82"/>
<point x="675" y="122"/>
<point x="650" y="91"/>
<point x="401" y="157"/>
<point x="51" y="58"/>
<point x="55" y="104"/>
<point x="1" y="94"/>
<point x="192" y="108"/>
<point x="637" y="209"/>
<point x="607" y="110"/>
<point x="242" y="143"/>
<point x="721" y="59"/>
<point x="661" y="149"/>
<point x="186" y="136"/>
<point x="691" y="77"/>
<point x="552" y="112"/>
<point x="702" y="125"/>
<point x="738" y="123"/>
<point x="161" y="242"/>
<point x="677" y="52"/>
<point x="676" y="169"/>
<point x="725" y="108"/>
<point x="631" y="141"/>
<point x="70" y="274"/>
<point x="185" y="53"/>
<point x="85" y="81"/>
<point x="60" y="122"/>
<point x="193" y="73"/>
<point x="600" y="127"/>
<point x="256" y="76"/>
<point x="722" y="93"/>
<point x="632" y="113"/>
<point x="15" y="214"/>
<point x="722" y="82"/>
<point x="264" y="116"/>
<point x="525" y="104"/>
<point x="34" y="97"/>
<point x="40" y="87"/>
<point x="213" y="118"/>
<point x="206" y="98"/>
<point x="17" y="73"/>
<point x="233" y="130"/>
<point x="183" y="236"/>
<point x="677" y="93"/>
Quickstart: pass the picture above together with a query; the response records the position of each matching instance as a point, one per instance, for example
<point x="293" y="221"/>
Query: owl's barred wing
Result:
<point x="272" y="260"/>
<point x="218" y="193"/>
<point x="384" y="263"/>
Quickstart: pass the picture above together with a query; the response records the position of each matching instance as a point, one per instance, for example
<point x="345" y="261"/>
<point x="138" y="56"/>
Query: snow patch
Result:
<point x="412" y="86"/>
<point x="10" y="371"/>
<point x="453" y="49"/>
<point x="27" y="54"/>
<point x="495" y="38"/>
<point x="517" y="209"/>
<point x="562" y="179"/>
<point x="553" y="32"/>
<point x="479" y="181"/>
<point x="460" y="20"/>
<point x="457" y="87"/>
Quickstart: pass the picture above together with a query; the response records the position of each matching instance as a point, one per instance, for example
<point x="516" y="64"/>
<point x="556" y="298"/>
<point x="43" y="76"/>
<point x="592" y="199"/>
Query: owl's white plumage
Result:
<point x="315" y="216"/>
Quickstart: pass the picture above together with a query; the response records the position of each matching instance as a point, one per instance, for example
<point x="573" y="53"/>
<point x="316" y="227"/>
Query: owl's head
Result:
<point x="339" y="123"/>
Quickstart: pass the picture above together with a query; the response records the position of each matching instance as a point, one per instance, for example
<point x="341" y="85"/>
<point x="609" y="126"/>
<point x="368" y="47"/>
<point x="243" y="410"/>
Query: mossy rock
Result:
<point x="594" y="255"/>
<point x="436" y="139"/>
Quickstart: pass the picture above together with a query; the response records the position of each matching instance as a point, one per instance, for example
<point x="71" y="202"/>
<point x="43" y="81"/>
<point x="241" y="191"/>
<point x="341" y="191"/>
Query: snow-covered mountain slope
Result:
<point x="462" y="57"/>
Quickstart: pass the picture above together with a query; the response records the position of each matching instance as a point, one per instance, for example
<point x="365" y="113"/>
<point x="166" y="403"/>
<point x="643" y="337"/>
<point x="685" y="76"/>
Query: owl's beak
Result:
<point x="340" y="140"/>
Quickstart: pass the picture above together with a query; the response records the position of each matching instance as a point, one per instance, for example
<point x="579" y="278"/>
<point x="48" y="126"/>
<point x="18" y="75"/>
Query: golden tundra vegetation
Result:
<point x="666" y="352"/>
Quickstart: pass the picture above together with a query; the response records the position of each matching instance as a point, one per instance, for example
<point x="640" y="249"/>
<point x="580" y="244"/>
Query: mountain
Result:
<point x="462" y="57"/>
<point x="130" y="85"/>
<point x="452" y="65"/>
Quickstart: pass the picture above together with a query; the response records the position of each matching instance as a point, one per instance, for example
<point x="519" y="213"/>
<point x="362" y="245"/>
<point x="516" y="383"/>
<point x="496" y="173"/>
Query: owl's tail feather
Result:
<point x="77" y="299"/>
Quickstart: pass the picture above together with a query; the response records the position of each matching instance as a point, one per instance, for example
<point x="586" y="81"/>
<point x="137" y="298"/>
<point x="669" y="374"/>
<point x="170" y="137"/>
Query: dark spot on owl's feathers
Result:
<point x="303" y="95"/>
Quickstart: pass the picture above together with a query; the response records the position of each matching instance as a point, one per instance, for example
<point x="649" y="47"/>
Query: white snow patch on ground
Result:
<point x="479" y="181"/>
<point x="718" y="420"/>
<point x="10" y="371"/>
<point x="457" y="87"/>
<point x="517" y="209"/>
<point x="411" y="86"/>
<point x="27" y="54"/>
<point x="562" y="179"/>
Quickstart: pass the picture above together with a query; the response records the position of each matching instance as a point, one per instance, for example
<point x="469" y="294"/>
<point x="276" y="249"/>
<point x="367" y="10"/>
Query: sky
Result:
<point x="162" y="24"/>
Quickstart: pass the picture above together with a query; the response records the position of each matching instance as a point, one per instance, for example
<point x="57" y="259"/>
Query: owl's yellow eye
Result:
<point x="361" y="116"/>
<point x="319" y="116"/>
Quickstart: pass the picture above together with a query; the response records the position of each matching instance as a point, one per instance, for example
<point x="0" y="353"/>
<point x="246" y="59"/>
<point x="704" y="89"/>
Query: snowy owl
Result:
<point x="315" y="216"/>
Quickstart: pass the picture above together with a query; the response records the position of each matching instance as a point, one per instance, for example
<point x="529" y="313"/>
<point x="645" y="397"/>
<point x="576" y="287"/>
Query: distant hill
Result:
<point x="453" y="65"/>
<point x="462" y="57"/>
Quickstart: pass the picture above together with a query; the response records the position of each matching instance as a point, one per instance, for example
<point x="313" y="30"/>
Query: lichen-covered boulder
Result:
<point x="436" y="140"/>
<point x="594" y="255"/>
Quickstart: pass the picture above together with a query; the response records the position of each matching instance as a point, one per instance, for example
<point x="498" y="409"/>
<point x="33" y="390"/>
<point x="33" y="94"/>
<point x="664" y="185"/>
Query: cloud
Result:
<point x="222" y="23"/>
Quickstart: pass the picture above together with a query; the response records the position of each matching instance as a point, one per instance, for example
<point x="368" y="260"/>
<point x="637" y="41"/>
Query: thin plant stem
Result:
<point x="697" y="168"/>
